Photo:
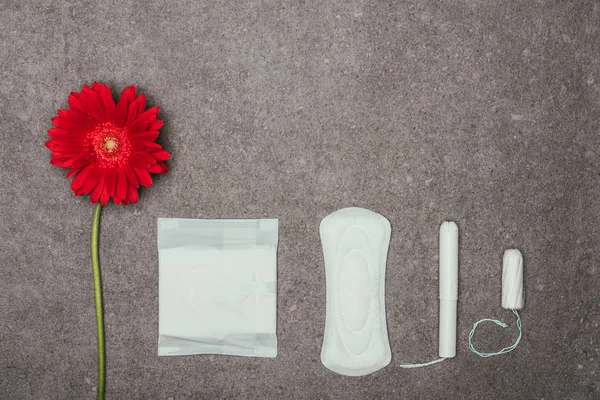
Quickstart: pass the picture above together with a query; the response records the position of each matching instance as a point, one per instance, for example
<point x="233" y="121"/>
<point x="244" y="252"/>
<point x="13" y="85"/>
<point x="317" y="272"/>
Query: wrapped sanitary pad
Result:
<point x="217" y="287"/>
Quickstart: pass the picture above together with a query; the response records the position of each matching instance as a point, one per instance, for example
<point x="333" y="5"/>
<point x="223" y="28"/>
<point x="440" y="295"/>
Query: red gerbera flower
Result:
<point x="108" y="146"/>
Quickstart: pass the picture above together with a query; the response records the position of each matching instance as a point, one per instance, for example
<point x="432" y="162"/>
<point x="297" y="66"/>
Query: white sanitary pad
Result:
<point x="217" y="287"/>
<point x="355" y="244"/>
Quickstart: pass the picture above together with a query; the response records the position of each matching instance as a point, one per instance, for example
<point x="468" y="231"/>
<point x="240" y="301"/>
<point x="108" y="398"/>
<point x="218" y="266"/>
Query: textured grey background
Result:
<point x="480" y="111"/>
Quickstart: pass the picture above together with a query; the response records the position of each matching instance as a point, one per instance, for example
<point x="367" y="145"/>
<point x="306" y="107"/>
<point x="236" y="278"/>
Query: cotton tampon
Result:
<point x="513" y="297"/>
<point x="448" y="288"/>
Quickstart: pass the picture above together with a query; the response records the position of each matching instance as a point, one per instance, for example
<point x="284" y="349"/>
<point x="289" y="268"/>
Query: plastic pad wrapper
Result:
<point x="217" y="287"/>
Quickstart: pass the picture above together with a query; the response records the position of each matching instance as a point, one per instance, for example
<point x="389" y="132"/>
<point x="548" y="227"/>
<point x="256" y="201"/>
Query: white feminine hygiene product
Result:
<point x="513" y="299"/>
<point x="448" y="270"/>
<point x="448" y="289"/>
<point x="513" y="296"/>
<point x="217" y="287"/>
<point x="355" y="245"/>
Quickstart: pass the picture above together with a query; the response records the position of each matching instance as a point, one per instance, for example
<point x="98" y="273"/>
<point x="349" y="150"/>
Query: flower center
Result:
<point x="110" y="143"/>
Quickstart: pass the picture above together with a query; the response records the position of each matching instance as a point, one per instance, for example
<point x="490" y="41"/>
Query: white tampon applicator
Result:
<point x="448" y="294"/>
<point x="448" y="288"/>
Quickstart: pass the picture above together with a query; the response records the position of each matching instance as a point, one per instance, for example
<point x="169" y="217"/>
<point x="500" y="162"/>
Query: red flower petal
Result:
<point x="57" y="133"/>
<point x="129" y="92"/>
<point x="121" y="191"/>
<point x="108" y="102"/>
<point x="79" y="161"/>
<point x="137" y="160"/>
<point x="137" y="146"/>
<point x="67" y="125"/>
<point x="161" y="155"/>
<point x="143" y="177"/>
<point x="68" y="141"/>
<point x="135" y="109"/>
<point x="93" y="178"/>
<point x="104" y="196"/>
<point x="92" y="105"/>
<point x="155" y="169"/>
<point x="62" y="145"/>
<point x="164" y="167"/>
<point x="156" y="125"/>
<point x="57" y="162"/>
<point x="131" y="178"/>
<point x="95" y="195"/>
<point x="66" y="156"/>
<point x="148" y="157"/>
<point x="149" y="136"/>
<point x="121" y="111"/>
<point x="110" y="182"/>
<point x="149" y="115"/>
<point x="80" y="178"/>
<point x="146" y="146"/>
<point x="74" y="102"/>
<point x="127" y="97"/>
<point x="139" y="126"/>
<point x="152" y="146"/>
<point x="75" y="116"/>
<point x="132" y="194"/>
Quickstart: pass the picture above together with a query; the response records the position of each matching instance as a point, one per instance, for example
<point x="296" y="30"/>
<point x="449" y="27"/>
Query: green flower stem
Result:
<point x="98" y="300"/>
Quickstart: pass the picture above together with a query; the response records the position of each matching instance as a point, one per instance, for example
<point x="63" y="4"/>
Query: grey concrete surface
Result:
<point x="478" y="111"/>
